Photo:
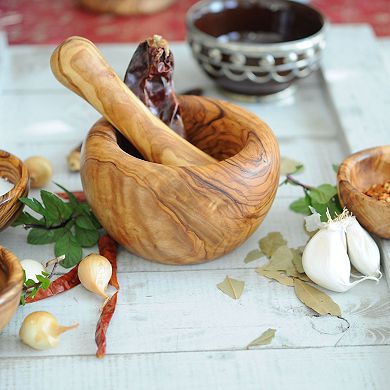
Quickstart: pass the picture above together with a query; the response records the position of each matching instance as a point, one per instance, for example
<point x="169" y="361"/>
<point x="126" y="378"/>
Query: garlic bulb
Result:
<point x="32" y="268"/>
<point x="94" y="273"/>
<point x="40" y="330"/>
<point x="325" y="259"/>
<point x="362" y="249"/>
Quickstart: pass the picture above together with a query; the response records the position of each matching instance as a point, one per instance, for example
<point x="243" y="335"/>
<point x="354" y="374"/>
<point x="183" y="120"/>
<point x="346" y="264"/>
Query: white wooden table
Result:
<point x="173" y="329"/>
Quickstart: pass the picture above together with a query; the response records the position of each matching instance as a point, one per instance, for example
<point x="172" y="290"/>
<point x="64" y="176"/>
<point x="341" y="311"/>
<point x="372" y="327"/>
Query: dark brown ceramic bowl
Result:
<point x="255" y="47"/>
<point x="355" y="176"/>
<point x="16" y="172"/>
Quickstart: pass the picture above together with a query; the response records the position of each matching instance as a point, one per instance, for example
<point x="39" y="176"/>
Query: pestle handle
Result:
<point x="80" y="66"/>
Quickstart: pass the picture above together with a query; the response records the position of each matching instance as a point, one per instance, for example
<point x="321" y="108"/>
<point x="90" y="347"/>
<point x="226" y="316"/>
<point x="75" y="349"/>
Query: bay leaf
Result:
<point x="264" y="339"/>
<point x="232" y="287"/>
<point x="253" y="255"/>
<point x="281" y="260"/>
<point x="297" y="259"/>
<point x="271" y="242"/>
<point x="289" y="166"/>
<point x="316" y="299"/>
<point x="278" y="276"/>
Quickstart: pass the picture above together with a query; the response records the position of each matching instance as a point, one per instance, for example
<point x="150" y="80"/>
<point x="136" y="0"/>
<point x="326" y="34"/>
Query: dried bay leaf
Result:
<point x="281" y="260"/>
<point x="316" y="299"/>
<point x="297" y="259"/>
<point x="271" y="242"/>
<point x="264" y="339"/>
<point x="232" y="287"/>
<point x="289" y="166"/>
<point x="253" y="255"/>
<point x="276" y="275"/>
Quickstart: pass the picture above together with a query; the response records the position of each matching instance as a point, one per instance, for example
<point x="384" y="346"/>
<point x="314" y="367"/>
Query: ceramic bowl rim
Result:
<point x="287" y="46"/>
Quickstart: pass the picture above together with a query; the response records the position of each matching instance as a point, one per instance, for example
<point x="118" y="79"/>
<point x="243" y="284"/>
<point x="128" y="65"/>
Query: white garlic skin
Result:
<point x="325" y="259"/>
<point x="94" y="273"/>
<point x="362" y="249"/>
<point x="40" y="330"/>
<point x="32" y="268"/>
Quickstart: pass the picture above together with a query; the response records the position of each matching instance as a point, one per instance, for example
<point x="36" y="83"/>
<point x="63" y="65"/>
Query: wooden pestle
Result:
<point x="80" y="66"/>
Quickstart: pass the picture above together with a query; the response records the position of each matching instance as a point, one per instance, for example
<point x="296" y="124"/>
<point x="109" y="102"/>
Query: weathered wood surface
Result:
<point x="174" y="329"/>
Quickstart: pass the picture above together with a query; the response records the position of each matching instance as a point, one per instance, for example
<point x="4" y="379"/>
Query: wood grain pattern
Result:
<point x="79" y="65"/>
<point x="184" y="215"/>
<point x="126" y="7"/>
<point x="10" y="292"/>
<point x="14" y="170"/>
<point x="357" y="174"/>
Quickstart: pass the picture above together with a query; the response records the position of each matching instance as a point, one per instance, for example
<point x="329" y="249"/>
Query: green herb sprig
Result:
<point x="320" y="198"/>
<point x="30" y="287"/>
<point x="70" y="225"/>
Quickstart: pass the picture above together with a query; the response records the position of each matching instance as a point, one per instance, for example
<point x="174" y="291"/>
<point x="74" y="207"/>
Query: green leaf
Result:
<point x="29" y="283"/>
<point x="44" y="281"/>
<point x="301" y="205"/>
<point x="323" y="194"/>
<point x="38" y="236"/>
<point x="67" y="245"/>
<point x="34" y="205"/>
<point x="73" y="202"/>
<point x="55" y="206"/>
<point x="84" y="222"/>
<point x="335" y="167"/>
<point x="86" y="238"/>
<point x="22" y="300"/>
<point x="27" y="219"/>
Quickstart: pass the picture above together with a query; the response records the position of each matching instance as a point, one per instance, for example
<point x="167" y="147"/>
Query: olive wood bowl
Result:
<point x="16" y="172"/>
<point x="355" y="176"/>
<point x="11" y="283"/>
<point x="185" y="215"/>
<point x="126" y="7"/>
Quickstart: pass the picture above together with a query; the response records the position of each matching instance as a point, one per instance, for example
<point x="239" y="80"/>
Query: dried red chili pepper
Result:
<point x="102" y="325"/>
<point x="150" y="77"/>
<point x="80" y="195"/>
<point x="58" y="286"/>
<point x="108" y="248"/>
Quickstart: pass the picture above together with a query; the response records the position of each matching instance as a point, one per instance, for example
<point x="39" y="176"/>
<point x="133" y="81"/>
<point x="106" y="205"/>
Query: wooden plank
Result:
<point x="359" y="84"/>
<point x="184" y="311"/>
<point x="358" y="368"/>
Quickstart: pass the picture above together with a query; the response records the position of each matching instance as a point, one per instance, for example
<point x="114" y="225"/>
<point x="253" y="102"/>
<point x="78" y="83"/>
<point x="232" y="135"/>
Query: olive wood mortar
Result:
<point x="185" y="214"/>
<point x="16" y="172"/>
<point x="355" y="176"/>
<point x="11" y="289"/>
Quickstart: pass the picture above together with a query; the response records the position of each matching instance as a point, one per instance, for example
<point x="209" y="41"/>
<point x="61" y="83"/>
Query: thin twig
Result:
<point x="290" y="179"/>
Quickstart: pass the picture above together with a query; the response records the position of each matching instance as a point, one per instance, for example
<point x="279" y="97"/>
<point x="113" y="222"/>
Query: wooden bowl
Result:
<point x="355" y="176"/>
<point x="11" y="283"/>
<point x="126" y="7"/>
<point x="16" y="172"/>
<point x="185" y="215"/>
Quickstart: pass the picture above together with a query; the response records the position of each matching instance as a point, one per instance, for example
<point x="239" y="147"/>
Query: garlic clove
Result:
<point x="362" y="249"/>
<point x="325" y="259"/>
<point x="313" y="222"/>
<point x="94" y="273"/>
<point x="40" y="330"/>
<point x="32" y="268"/>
